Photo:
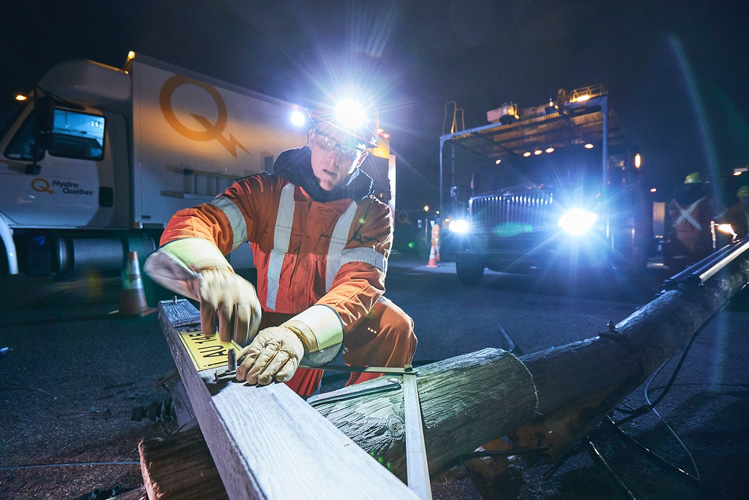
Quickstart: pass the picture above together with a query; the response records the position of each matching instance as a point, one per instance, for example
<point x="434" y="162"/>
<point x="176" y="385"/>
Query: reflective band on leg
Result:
<point x="281" y="238"/>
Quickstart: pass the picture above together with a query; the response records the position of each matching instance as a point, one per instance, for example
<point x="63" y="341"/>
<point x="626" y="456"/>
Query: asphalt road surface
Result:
<point x="72" y="376"/>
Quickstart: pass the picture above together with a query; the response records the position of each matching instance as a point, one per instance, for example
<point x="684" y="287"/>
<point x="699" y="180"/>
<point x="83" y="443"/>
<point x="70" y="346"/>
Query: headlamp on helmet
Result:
<point x="346" y="123"/>
<point x="693" y="178"/>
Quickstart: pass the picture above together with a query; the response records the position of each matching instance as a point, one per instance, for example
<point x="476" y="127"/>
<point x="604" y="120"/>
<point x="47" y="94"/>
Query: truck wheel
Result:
<point x="469" y="272"/>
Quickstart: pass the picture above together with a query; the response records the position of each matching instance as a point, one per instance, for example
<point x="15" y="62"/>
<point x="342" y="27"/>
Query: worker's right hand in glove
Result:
<point x="273" y="355"/>
<point x="225" y="294"/>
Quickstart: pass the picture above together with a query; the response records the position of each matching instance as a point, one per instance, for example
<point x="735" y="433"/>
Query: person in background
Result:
<point x="691" y="211"/>
<point x="738" y="215"/>
<point x="320" y="242"/>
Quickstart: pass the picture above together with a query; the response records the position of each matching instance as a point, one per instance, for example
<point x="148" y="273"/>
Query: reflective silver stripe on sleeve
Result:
<point x="338" y="241"/>
<point x="236" y="219"/>
<point x="281" y="238"/>
<point x="367" y="255"/>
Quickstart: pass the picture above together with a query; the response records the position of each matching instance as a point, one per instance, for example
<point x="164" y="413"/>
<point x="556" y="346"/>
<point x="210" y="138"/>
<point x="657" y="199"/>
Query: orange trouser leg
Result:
<point x="305" y="381"/>
<point x="384" y="338"/>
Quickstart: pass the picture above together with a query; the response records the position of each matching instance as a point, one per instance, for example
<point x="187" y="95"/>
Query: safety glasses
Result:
<point x="346" y="153"/>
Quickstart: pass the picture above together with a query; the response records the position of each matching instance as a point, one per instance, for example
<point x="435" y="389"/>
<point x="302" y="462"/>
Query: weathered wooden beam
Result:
<point x="267" y="442"/>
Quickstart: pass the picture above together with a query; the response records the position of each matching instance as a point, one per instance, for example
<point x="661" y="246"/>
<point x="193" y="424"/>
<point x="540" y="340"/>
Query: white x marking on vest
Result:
<point x="686" y="215"/>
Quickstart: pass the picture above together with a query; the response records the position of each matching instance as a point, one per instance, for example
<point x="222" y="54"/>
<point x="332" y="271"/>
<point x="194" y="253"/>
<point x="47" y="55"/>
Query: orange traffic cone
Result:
<point x="133" y="298"/>
<point x="432" y="258"/>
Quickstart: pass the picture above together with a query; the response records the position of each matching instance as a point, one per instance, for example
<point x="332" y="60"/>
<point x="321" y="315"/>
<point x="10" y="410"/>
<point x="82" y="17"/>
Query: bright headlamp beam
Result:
<point x="350" y="114"/>
<point x="577" y="221"/>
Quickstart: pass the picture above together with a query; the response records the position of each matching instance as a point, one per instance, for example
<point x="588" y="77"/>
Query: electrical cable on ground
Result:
<point x="650" y="406"/>
<point x="632" y="414"/>
<point x="665" y="464"/>
<point x="606" y="470"/>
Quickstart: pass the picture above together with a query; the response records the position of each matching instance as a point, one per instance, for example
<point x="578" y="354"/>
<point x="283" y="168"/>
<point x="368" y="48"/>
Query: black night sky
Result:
<point x="677" y="71"/>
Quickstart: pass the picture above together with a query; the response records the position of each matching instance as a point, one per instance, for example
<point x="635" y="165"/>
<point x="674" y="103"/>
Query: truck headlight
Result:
<point x="577" y="221"/>
<point x="459" y="226"/>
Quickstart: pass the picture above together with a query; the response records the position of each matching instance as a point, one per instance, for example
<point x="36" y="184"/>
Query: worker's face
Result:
<point x="332" y="163"/>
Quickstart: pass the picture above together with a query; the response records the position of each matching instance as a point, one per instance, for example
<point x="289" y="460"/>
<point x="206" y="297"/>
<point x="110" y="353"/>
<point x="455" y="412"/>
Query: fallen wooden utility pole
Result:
<point x="576" y="384"/>
<point x="267" y="442"/>
<point x="580" y="383"/>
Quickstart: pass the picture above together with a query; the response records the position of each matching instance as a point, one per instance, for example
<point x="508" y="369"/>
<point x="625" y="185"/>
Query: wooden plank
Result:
<point x="180" y="466"/>
<point x="267" y="442"/>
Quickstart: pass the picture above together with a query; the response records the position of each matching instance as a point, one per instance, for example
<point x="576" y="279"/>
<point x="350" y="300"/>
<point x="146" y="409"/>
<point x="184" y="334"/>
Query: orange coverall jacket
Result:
<point x="307" y="253"/>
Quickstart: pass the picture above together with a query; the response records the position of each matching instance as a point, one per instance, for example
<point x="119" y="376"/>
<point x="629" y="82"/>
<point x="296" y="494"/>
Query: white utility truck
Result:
<point x="98" y="159"/>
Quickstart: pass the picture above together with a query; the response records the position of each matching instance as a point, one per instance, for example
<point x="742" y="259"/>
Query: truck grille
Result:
<point x="512" y="212"/>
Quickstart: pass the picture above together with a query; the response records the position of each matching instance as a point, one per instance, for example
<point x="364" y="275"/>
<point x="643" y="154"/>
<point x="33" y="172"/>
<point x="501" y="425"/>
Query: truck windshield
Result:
<point x="571" y="167"/>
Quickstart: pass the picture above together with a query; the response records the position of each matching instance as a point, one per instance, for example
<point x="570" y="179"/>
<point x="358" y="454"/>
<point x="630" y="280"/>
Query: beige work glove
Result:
<point x="197" y="269"/>
<point x="225" y="294"/>
<point x="273" y="355"/>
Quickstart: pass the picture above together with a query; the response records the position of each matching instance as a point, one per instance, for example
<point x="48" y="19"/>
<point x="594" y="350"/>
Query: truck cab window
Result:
<point x="73" y="135"/>
<point x="76" y="135"/>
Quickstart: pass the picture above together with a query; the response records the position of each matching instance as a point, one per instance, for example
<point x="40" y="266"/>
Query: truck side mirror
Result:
<point x="44" y="122"/>
<point x="44" y="114"/>
<point x="33" y="169"/>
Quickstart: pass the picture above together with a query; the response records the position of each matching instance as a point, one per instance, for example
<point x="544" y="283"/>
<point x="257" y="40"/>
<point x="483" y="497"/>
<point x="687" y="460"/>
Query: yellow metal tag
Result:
<point x="206" y="352"/>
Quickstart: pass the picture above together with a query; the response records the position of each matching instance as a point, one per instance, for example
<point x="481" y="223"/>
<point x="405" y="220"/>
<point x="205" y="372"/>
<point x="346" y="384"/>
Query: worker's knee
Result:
<point x="395" y="323"/>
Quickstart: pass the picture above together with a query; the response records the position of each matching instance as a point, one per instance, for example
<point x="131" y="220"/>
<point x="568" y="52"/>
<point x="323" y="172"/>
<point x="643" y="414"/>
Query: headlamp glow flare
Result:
<point x="459" y="226"/>
<point x="577" y="221"/>
<point x="350" y="114"/>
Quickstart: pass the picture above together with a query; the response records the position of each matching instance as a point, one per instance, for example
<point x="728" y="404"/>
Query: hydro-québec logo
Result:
<point x="69" y="187"/>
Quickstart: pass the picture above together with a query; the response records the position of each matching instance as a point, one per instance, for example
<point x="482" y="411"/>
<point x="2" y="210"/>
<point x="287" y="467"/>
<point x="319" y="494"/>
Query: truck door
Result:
<point x="72" y="184"/>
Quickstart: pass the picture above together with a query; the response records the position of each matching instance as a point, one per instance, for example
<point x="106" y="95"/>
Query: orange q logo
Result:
<point x="210" y="130"/>
<point x="41" y="185"/>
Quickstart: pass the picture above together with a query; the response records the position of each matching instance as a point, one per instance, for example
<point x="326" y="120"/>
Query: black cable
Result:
<point x="634" y="413"/>
<point x="650" y="406"/>
<point x="662" y="462"/>
<point x="607" y="471"/>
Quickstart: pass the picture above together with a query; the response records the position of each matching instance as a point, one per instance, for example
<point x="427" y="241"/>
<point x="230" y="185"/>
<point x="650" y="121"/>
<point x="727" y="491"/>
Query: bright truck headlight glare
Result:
<point x="459" y="226"/>
<point x="577" y="221"/>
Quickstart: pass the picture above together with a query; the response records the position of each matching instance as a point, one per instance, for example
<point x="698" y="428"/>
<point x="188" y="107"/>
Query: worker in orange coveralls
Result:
<point x="320" y="242"/>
